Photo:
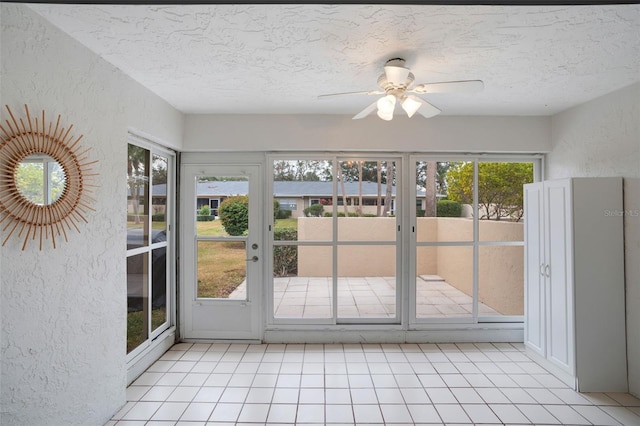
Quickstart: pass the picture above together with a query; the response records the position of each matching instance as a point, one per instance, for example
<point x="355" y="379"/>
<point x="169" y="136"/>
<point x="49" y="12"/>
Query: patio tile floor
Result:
<point x="365" y="297"/>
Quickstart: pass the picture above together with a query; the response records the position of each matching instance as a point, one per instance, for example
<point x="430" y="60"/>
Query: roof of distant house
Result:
<point x="283" y="189"/>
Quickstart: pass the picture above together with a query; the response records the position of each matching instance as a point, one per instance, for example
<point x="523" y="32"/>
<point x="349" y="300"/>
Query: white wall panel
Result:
<point x="63" y="311"/>
<point x="341" y="133"/>
<point x="602" y="138"/>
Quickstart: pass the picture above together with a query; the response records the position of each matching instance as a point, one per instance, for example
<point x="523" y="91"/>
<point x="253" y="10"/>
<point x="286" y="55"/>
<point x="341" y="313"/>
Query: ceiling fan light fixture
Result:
<point x="387" y="116"/>
<point x="410" y="104"/>
<point x="386" y="104"/>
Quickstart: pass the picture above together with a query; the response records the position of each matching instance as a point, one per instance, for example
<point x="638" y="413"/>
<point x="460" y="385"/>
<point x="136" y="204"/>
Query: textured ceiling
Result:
<point x="534" y="60"/>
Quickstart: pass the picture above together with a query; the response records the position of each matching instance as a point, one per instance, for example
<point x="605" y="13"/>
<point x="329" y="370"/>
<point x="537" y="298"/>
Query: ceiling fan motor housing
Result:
<point x="396" y="78"/>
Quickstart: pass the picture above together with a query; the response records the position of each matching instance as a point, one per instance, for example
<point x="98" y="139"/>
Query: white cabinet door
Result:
<point x="535" y="322"/>
<point x="559" y="274"/>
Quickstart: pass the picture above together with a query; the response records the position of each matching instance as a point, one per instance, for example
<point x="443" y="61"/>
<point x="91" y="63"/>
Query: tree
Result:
<point x="379" y="180"/>
<point x="159" y="170"/>
<point x="499" y="187"/>
<point x="301" y="170"/>
<point x="388" y="196"/>
<point x="430" y="189"/>
<point x="137" y="179"/>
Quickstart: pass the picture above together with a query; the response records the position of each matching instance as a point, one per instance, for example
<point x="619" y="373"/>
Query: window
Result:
<point x="339" y="262"/>
<point x="149" y="270"/>
<point x="469" y="240"/>
<point x="288" y="204"/>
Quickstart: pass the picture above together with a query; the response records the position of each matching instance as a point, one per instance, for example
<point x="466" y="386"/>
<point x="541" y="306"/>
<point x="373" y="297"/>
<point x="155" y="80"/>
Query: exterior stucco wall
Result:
<point x="501" y="268"/>
<point x="602" y="138"/>
<point x="63" y="311"/>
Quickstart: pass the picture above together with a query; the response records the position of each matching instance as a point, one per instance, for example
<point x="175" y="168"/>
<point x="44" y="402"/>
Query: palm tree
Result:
<point x="430" y="189"/>
<point x="137" y="164"/>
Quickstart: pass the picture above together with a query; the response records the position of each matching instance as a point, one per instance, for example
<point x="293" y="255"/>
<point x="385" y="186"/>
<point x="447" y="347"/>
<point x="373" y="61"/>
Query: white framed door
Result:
<point x="221" y="261"/>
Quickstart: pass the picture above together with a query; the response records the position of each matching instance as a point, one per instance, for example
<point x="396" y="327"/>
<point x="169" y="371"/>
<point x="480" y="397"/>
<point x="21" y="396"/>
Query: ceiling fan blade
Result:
<point x="368" y="110"/>
<point x="465" y="86"/>
<point x="427" y="110"/>
<point x="369" y="92"/>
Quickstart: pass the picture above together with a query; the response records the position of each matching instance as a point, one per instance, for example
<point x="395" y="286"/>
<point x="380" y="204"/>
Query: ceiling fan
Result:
<point x="396" y="83"/>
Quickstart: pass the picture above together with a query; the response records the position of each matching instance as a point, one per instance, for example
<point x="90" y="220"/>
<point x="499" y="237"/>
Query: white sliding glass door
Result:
<point x="468" y="239"/>
<point x="335" y="240"/>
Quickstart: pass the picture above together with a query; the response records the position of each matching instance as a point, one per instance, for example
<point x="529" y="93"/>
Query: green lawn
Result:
<point x="136" y="332"/>
<point x="215" y="228"/>
<point x="222" y="265"/>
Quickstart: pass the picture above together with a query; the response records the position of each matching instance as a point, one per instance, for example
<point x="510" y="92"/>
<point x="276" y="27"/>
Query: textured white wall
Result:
<point x="63" y="311"/>
<point x="339" y="132"/>
<point x="602" y="138"/>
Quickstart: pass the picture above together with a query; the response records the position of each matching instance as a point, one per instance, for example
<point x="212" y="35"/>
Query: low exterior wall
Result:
<point x="353" y="261"/>
<point x="501" y="268"/>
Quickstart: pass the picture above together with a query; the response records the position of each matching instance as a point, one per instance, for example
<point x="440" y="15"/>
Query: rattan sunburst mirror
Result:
<point x="46" y="179"/>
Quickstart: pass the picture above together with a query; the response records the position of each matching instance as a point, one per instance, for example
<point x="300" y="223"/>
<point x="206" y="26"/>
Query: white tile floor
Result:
<point x="353" y="384"/>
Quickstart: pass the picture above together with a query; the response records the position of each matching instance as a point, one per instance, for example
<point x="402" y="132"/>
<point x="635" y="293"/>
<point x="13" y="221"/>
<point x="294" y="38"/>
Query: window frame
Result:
<point x="335" y="320"/>
<point x="475" y="243"/>
<point x="406" y="203"/>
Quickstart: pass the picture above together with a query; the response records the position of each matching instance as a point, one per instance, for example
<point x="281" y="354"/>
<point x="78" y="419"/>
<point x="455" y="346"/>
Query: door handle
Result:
<point x="253" y="259"/>
<point x="547" y="270"/>
<point x="542" y="269"/>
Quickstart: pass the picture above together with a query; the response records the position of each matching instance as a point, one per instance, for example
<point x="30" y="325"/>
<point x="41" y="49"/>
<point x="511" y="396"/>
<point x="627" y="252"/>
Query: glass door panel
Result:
<point x="443" y="201"/>
<point x="149" y="274"/>
<point x="500" y="199"/>
<point x="302" y="284"/>
<point x="469" y="248"/>
<point x="367" y="281"/>
<point x="137" y="197"/>
<point x="367" y="273"/>
<point x="501" y="280"/>
<point x="159" y="166"/>
<point x="444" y="282"/>
<point x="501" y="238"/>
<point x="330" y="217"/>
<point x="137" y="300"/>
<point x="222" y="270"/>
<point x="159" y="292"/>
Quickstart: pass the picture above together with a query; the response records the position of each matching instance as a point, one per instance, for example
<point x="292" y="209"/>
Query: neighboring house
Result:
<point x="296" y="195"/>
<point x="292" y="195"/>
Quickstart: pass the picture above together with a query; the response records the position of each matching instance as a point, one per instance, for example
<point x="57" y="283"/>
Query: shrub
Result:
<point x="234" y="214"/>
<point x="284" y="214"/>
<point x="314" y="210"/>
<point x="209" y="218"/>
<point x="158" y="217"/>
<point x="205" y="210"/>
<point x="448" y="208"/>
<point x="276" y="209"/>
<point x="368" y="215"/>
<point x="285" y="258"/>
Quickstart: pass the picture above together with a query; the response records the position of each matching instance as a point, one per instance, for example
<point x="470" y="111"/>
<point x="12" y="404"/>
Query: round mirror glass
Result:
<point x="40" y="179"/>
